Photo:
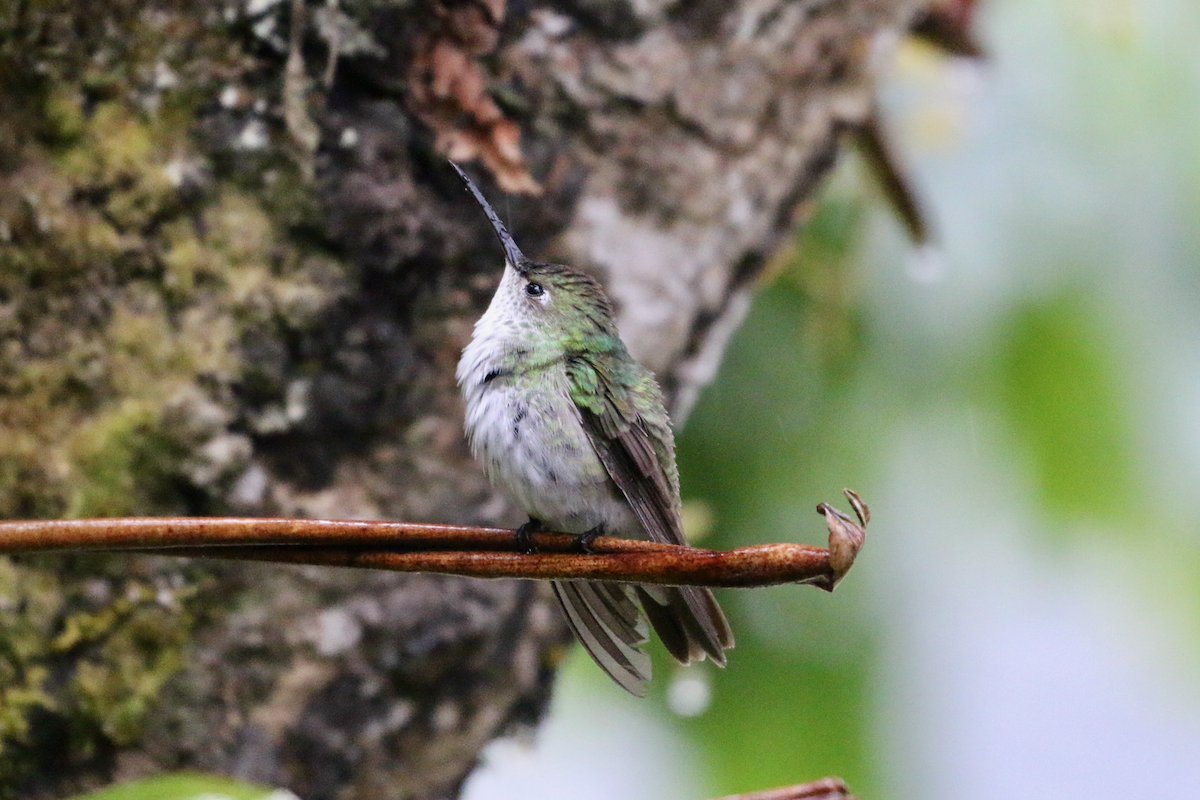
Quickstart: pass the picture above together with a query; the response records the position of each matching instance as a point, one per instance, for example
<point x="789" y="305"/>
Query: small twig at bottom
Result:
<point x="824" y="789"/>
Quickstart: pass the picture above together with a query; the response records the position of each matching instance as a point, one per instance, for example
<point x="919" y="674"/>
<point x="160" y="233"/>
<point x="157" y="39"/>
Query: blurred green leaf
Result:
<point x="1069" y="405"/>
<point x="187" y="786"/>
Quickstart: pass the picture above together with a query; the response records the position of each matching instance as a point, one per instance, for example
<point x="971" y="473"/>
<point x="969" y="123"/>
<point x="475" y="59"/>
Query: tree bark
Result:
<point x="235" y="276"/>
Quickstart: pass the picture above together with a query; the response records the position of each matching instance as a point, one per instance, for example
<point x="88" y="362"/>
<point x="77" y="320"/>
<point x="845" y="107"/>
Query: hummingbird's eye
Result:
<point x="534" y="289"/>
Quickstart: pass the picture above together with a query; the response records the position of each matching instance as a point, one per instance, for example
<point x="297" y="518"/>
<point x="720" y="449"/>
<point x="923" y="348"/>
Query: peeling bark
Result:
<point x="202" y="313"/>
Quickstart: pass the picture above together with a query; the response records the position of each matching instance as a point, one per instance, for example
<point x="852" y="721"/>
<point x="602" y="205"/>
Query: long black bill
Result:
<point x="511" y="251"/>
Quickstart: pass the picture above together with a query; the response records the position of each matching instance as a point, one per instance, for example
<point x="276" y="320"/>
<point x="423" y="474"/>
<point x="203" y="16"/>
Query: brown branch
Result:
<point x="764" y="565"/>
<point x="452" y="549"/>
<point x="824" y="789"/>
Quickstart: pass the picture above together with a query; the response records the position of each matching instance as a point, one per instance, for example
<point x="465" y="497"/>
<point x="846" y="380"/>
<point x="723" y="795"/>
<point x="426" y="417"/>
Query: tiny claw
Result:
<point x="585" y="539"/>
<point x="524" y="536"/>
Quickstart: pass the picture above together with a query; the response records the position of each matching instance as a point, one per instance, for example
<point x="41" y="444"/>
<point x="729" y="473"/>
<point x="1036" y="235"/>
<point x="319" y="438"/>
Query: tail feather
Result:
<point x="612" y="627"/>
<point x="669" y="627"/>
<point x="689" y="621"/>
<point x="609" y="625"/>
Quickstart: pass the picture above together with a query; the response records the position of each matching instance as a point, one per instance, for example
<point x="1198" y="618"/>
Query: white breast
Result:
<point x="527" y="433"/>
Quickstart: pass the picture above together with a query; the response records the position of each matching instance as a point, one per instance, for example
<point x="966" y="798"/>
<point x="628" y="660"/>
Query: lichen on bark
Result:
<point x="131" y="270"/>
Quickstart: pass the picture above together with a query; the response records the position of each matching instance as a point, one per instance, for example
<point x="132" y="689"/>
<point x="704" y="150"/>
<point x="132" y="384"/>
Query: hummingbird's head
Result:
<point x="556" y="300"/>
<point x="553" y="299"/>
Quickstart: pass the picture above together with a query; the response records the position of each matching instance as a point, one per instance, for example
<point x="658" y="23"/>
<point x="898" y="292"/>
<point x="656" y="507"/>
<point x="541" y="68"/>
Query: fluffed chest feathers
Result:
<point x="526" y="431"/>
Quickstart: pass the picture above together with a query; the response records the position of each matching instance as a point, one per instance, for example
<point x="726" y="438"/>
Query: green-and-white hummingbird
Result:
<point x="575" y="431"/>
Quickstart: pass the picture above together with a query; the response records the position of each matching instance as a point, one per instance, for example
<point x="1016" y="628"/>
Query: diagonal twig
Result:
<point x="824" y="789"/>
<point x="452" y="549"/>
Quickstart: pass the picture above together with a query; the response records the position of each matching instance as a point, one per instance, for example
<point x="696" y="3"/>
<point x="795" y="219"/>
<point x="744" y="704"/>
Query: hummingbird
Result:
<point x="575" y="431"/>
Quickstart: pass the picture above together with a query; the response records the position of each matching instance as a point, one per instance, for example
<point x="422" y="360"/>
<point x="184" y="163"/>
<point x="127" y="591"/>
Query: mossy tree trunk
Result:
<point x="235" y="275"/>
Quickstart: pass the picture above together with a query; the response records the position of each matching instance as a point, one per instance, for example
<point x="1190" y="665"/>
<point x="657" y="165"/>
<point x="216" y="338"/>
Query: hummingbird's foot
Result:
<point x="525" y="534"/>
<point x="585" y="539"/>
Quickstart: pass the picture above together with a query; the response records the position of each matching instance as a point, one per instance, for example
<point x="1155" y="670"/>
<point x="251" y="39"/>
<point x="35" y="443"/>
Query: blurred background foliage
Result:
<point x="1020" y="405"/>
